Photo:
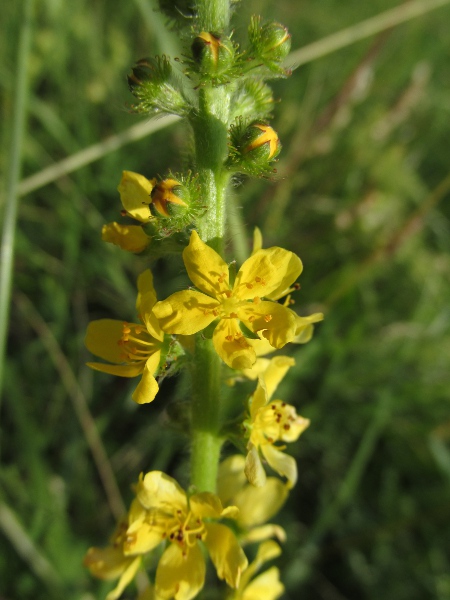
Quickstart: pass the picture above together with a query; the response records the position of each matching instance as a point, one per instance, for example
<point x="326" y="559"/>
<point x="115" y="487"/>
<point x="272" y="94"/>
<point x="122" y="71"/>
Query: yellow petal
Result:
<point x="258" y="504"/>
<point x="267" y="586"/>
<point x="126" y="578"/>
<point x="158" y="490"/>
<point x="148" y="317"/>
<point x="276" y="370"/>
<point x="232" y="347"/>
<point x="186" y="312"/>
<point x="119" y="370"/>
<point x="102" y="339"/>
<point x="276" y="323"/>
<point x="254" y="471"/>
<point x="290" y="266"/>
<point x="304" y="327"/>
<point x="225" y="552"/>
<point x="259" y="399"/>
<point x="180" y="576"/>
<point x="142" y="537"/>
<point x="145" y="285"/>
<point x="258" y="368"/>
<point x="268" y="272"/>
<point x="131" y="238"/>
<point x="206" y="505"/>
<point x="231" y="478"/>
<point x="206" y="269"/>
<point x="106" y="563"/>
<point x="135" y="190"/>
<point x="264" y="532"/>
<point x="148" y="387"/>
<point x="257" y="240"/>
<point x="280" y="462"/>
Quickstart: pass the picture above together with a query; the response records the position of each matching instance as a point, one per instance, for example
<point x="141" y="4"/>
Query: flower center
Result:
<point x="185" y="529"/>
<point x="275" y="420"/>
<point x="136" y="343"/>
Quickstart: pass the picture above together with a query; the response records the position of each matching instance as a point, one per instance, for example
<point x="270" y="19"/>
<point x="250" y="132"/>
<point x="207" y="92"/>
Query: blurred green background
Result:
<point x="361" y="195"/>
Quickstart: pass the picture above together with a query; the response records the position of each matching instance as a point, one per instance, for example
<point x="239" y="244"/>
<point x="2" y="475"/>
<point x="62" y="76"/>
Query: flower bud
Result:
<point x="270" y="43"/>
<point x="149" y="71"/>
<point x="253" y="148"/>
<point x="170" y="198"/>
<point x="213" y="55"/>
<point x="152" y="83"/>
<point x="260" y="143"/>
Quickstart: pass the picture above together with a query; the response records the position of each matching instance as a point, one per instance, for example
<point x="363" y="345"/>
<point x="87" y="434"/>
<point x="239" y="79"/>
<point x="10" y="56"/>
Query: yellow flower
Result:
<point x="135" y="190"/>
<point x="134" y="349"/>
<point x="162" y="511"/>
<point x="266" y="274"/>
<point x="111" y="563"/>
<point x="268" y="584"/>
<point x="256" y="504"/>
<point x="272" y="421"/>
<point x="128" y="237"/>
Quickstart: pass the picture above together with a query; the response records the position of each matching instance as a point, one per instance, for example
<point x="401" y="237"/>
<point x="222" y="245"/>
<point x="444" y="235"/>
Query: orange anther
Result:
<point x="227" y="293"/>
<point x="229" y="338"/>
<point x="256" y="300"/>
<point x="249" y="285"/>
<point x="233" y="315"/>
<point x="251" y="318"/>
<point x="267" y="318"/>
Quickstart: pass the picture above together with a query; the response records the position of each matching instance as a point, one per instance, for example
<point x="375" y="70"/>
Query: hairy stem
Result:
<point x="210" y="126"/>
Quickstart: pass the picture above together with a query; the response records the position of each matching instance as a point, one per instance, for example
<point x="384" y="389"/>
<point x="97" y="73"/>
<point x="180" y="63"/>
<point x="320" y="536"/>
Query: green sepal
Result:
<point x="247" y="332"/>
<point x="209" y="331"/>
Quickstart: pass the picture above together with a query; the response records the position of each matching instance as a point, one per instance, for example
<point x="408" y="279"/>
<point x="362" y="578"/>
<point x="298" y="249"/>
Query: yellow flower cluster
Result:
<point x="243" y="315"/>
<point x="252" y="301"/>
<point x="132" y="348"/>
<point x="163" y="512"/>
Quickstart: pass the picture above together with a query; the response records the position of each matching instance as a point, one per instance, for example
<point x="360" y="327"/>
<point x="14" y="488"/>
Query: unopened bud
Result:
<point x="152" y="83"/>
<point x="212" y="54"/>
<point x="149" y="71"/>
<point x="253" y="148"/>
<point x="270" y="43"/>
<point x="260" y="142"/>
<point x="170" y="198"/>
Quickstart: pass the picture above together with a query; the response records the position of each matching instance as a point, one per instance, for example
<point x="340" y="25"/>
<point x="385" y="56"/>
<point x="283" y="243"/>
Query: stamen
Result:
<point x="251" y="318"/>
<point x="249" y="286"/>
<point x="267" y="318"/>
<point x="229" y="338"/>
<point x="256" y="300"/>
<point x="233" y="315"/>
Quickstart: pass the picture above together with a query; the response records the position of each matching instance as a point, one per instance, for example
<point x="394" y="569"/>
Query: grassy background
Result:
<point x="362" y="197"/>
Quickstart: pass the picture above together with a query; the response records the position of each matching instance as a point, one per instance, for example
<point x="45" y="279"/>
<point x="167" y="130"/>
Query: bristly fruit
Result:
<point x="269" y="43"/>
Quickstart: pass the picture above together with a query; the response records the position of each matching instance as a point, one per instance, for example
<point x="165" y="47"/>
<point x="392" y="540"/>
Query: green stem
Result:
<point x="210" y="126"/>
<point x="213" y="15"/>
<point x="206" y="441"/>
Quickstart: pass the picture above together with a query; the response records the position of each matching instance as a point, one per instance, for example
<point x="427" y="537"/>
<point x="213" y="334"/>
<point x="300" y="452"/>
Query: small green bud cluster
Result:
<point x="154" y="84"/>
